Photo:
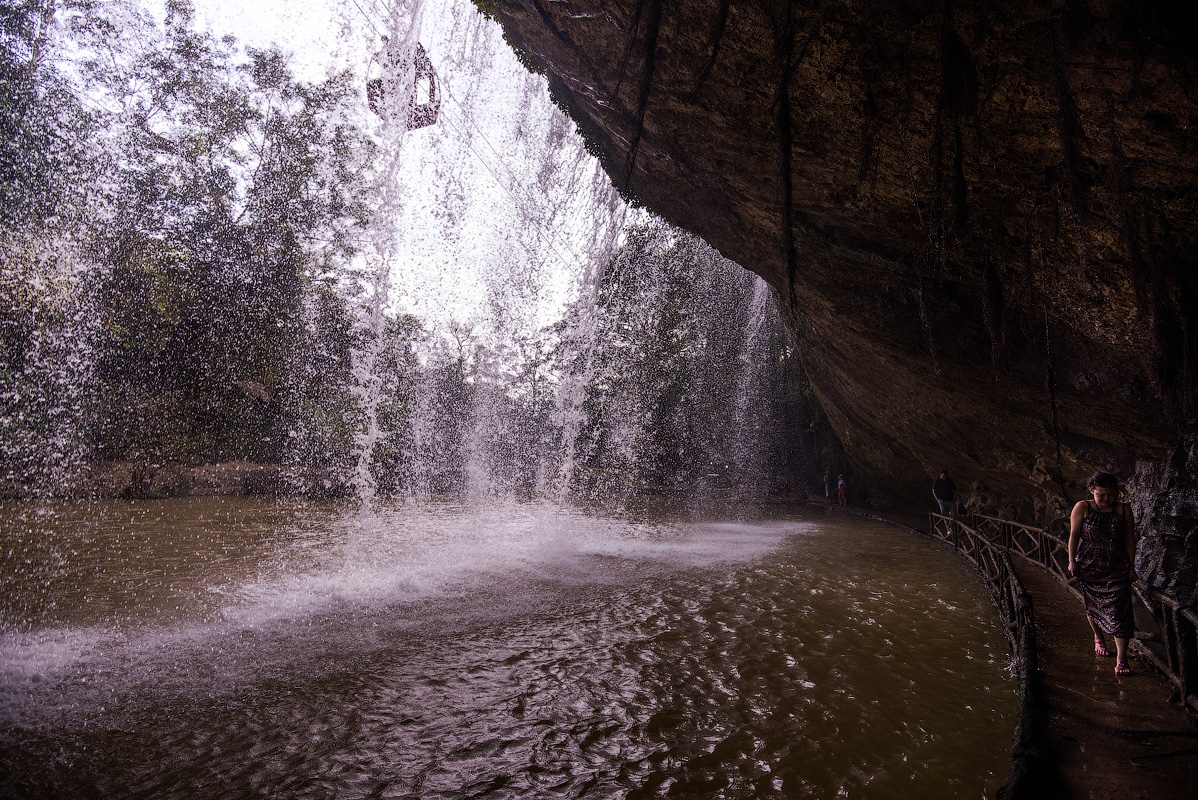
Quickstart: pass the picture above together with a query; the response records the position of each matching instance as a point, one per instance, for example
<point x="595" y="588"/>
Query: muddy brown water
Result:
<point x="230" y="647"/>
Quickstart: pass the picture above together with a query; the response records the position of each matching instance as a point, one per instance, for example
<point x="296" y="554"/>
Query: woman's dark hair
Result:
<point x="1103" y="480"/>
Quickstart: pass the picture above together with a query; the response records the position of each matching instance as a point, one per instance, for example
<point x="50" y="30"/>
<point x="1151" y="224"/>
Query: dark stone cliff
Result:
<point x="981" y="215"/>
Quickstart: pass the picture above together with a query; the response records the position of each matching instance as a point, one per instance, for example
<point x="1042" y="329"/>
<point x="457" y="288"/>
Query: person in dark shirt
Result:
<point x="944" y="489"/>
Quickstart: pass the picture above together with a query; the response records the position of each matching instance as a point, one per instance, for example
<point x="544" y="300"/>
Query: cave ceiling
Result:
<point x="979" y="216"/>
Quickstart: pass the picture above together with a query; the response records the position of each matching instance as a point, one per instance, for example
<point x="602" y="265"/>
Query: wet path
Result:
<point x="1110" y="737"/>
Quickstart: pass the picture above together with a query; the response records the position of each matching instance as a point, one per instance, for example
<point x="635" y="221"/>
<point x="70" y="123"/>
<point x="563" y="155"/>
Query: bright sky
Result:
<point x="497" y="205"/>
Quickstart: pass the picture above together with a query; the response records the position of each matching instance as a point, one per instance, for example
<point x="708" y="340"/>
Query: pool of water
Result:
<point x="229" y="647"/>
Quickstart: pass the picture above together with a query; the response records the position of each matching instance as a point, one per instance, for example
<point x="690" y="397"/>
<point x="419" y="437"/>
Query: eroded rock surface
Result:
<point x="1164" y="496"/>
<point x="980" y="214"/>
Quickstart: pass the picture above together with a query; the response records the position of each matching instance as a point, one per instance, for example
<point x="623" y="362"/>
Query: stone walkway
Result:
<point x="1116" y="738"/>
<point x="1110" y="737"/>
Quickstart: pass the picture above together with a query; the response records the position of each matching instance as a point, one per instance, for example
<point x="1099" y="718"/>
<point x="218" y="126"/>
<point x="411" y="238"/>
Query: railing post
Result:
<point x="1173" y="646"/>
<point x="1187" y="652"/>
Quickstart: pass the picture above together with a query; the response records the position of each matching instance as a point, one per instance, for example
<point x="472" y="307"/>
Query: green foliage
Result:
<point x="42" y="124"/>
<point x="236" y="189"/>
<point x="183" y="230"/>
<point x="488" y="8"/>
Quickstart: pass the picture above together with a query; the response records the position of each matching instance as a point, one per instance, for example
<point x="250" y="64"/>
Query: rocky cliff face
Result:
<point x="1164" y="495"/>
<point x="980" y="214"/>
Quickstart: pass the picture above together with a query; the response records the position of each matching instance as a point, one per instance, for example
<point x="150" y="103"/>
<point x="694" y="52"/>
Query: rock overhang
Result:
<point x="979" y="215"/>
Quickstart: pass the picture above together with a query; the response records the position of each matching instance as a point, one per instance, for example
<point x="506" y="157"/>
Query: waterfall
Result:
<point x="399" y="52"/>
<point x="491" y="220"/>
<point x="677" y="376"/>
<point x="754" y="399"/>
<point x="46" y="377"/>
<point x="405" y="278"/>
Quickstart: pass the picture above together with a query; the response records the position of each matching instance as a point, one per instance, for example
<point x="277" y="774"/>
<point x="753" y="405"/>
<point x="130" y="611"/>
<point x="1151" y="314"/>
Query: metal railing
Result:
<point x="1167" y="633"/>
<point x="993" y="563"/>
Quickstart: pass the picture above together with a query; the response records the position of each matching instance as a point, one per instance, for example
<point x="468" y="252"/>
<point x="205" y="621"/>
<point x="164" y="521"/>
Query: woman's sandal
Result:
<point x="1100" y="649"/>
<point x="1121" y="668"/>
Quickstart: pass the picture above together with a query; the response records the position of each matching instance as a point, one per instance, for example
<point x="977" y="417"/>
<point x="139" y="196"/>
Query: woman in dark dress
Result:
<point x="1102" y="551"/>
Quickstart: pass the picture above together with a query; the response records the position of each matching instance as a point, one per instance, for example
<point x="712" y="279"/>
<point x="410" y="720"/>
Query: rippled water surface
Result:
<point x="215" y="648"/>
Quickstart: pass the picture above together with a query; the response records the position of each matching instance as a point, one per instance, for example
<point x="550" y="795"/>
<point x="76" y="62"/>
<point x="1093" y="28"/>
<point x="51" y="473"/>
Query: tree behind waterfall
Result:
<point x="178" y="219"/>
<point x="690" y="387"/>
<point x="237" y="197"/>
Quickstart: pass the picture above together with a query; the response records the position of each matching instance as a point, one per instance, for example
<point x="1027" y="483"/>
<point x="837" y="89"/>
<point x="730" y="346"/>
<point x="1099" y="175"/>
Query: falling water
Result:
<point x="403" y="34"/>
<point x="655" y="406"/>
<point x="501" y="158"/>
<point x="45" y="387"/>
<point x="754" y="400"/>
<point x="46" y="328"/>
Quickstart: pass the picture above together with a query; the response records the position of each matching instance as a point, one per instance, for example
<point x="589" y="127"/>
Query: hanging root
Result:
<point x="1051" y="380"/>
<point x="866" y="161"/>
<point x="993" y="310"/>
<point x="1071" y="134"/>
<point x="936" y="230"/>
<point x="1029" y="280"/>
<point x="960" y="185"/>
<point x="651" y="9"/>
<point x="785" y="46"/>
<point x="957" y="101"/>
<point x="786" y="56"/>
<point x="1119" y="187"/>
<point x="1164" y="301"/>
<point x="1174" y="295"/>
<point x="717" y="35"/>
<point x="926" y="323"/>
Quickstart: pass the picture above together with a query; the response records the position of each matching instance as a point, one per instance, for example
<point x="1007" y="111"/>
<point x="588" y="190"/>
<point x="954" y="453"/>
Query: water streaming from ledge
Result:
<point x="237" y="648"/>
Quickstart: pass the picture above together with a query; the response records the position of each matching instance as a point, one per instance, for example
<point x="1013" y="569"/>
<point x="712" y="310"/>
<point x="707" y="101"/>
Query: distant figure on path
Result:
<point x="1102" y="554"/>
<point x="827" y="487"/>
<point x="842" y="491"/>
<point x="944" y="489"/>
